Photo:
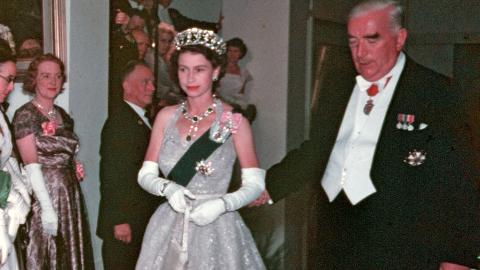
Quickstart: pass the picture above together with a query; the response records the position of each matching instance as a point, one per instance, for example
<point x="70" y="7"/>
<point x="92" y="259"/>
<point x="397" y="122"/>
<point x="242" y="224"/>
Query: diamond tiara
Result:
<point x="197" y="36"/>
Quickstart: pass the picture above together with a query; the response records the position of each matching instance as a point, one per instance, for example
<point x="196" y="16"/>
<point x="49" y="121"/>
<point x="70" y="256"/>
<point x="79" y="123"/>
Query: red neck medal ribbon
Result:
<point x="371" y="92"/>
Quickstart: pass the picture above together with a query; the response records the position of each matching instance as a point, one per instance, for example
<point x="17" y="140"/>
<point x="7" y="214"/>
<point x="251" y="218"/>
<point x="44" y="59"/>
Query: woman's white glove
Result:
<point x="5" y="242"/>
<point x="208" y="212"/>
<point x="48" y="216"/>
<point x="17" y="211"/>
<point x="253" y="184"/>
<point x="148" y="179"/>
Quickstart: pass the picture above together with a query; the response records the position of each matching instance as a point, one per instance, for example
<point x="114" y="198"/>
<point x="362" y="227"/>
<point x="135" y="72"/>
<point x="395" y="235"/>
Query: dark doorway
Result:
<point x="466" y="66"/>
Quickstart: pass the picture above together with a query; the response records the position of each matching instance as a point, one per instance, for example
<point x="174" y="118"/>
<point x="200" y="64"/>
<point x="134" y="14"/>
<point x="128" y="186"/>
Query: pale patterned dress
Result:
<point x="224" y="244"/>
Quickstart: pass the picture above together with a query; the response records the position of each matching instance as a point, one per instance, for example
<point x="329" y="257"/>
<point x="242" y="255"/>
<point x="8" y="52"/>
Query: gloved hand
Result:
<point x="19" y="180"/>
<point x="5" y="243"/>
<point x="176" y="194"/>
<point x="208" y="211"/>
<point x="48" y="216"/>
<point x="12" y="230"/>
<point x="148" y="179"/>
<point x="22" y="190"/>
<point x="253" y="184"/>
<point x="16" y="207"/>
<point x="17" y="211"/>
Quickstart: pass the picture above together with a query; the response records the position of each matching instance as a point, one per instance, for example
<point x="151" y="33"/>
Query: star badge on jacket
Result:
<point x="415" y="158"/>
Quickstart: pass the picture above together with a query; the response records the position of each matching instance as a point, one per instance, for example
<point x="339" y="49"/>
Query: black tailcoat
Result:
<point x="420" y="215"/>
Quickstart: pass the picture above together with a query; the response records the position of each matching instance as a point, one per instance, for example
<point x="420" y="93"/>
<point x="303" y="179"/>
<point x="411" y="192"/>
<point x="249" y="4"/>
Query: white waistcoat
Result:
<point x="352" y="155"/>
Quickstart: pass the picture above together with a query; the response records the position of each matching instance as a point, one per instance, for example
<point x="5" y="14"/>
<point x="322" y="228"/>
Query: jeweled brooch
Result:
<point x="204" y="167"/>
<point x="415" y="158"/>
<point x="228" y="124"/>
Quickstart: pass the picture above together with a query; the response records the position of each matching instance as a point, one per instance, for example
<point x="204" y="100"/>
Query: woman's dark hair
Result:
<point x="238" y="43"/>
<point x="30" y="80"/>
<point x="215" y="59"/>
<point x="6" y="54"/>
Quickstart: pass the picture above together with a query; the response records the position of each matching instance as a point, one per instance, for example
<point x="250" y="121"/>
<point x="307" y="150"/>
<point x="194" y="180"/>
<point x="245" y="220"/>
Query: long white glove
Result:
<point x="253" y="184"/>
<point x="19" y="179"/>
<point x="5" y="243"/>
<point x="49" y="217"/>
<point x="175" y="193"/>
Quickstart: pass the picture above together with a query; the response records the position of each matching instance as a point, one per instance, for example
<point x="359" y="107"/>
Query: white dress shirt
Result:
<point x="140" y="111"/>
<point x="350" y="162"/>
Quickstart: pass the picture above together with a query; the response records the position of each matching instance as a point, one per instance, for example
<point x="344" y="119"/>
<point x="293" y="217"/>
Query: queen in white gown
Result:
<point x="195" y="145"/>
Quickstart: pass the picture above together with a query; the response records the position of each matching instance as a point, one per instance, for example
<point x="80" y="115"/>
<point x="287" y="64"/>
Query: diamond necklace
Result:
<point x="51" y="114"/>
<point x="195" y="119"/>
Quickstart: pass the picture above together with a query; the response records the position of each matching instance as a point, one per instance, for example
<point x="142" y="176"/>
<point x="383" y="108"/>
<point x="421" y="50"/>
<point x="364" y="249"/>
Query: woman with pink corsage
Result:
<point x="59" y="236"/>
<point x="195" y="145"/>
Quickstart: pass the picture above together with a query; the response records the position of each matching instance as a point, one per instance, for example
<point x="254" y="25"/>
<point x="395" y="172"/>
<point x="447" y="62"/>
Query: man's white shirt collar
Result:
<point x="140" y="111"/>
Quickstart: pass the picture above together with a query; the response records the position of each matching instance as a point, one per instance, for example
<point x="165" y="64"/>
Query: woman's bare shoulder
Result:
<point x="165" y="113"/>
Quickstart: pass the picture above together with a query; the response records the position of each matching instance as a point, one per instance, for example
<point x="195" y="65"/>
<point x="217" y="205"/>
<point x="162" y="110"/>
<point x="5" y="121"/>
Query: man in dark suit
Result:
<point x="125" y="208"/>
<point x="397" y="188"/>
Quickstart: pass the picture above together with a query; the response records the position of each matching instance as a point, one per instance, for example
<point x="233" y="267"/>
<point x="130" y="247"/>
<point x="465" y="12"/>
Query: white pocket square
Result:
<point x="422" y="126"/>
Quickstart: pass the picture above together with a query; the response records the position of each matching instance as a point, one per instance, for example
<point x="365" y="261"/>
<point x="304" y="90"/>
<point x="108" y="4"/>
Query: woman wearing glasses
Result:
<point x="14" y="197"/>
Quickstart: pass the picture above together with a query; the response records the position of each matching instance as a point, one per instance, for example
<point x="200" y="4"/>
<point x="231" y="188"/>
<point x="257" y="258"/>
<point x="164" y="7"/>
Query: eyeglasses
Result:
<point x="9" y="79"/>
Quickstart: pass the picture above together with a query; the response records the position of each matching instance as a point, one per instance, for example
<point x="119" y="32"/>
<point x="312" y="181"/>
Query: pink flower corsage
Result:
<point x="228" y="124"/>
<point x="49" y="128"/>
<point x="79" y="170"/>
<point x="231" y="120"/>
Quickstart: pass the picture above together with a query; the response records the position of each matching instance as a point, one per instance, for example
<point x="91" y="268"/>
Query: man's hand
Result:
<point x="261" y="200"/>
<point x="122" y="232"/>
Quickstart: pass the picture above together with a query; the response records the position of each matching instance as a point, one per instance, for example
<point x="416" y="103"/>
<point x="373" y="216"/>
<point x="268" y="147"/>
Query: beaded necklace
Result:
<point x="51" y="114"/>
<point x="195" y="119"/>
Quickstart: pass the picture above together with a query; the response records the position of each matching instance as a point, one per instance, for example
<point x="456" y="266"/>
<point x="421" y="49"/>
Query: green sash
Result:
<point x="184" y="170"/>
<point x="5" y="184"/>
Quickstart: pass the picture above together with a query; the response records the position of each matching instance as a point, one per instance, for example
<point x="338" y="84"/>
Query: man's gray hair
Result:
<point x="396" y="14"/>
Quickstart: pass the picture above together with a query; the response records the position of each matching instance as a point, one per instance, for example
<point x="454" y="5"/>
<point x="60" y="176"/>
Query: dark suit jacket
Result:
<point x="473" y="117"/>
<point x="420" y="215"/>
<point x="124" y="142"/>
